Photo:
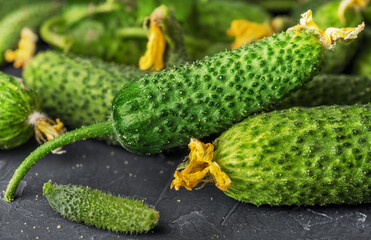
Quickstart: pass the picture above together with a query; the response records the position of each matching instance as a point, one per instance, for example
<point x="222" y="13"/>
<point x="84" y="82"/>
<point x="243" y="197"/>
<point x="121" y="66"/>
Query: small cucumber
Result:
<point x="20" y="115"/>
<point x="101" y="210"/>
<point x="79" y="90"/>
<point x="28" y="16"/>
<point x="17" y="103"/>
<point x="298" y="156"/>
<point x="163" y="110"/>
<point x="330" y="90"/>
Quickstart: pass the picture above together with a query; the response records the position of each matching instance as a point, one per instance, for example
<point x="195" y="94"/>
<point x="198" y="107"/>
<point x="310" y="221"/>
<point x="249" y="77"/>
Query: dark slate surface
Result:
<point x="203" y="214"/>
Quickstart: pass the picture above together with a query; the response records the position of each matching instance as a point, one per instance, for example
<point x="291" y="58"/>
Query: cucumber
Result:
<point x="28" y="16"/>
<point x="77" y="89"/>
<point x="330" y="90"/>
<point x="298" y="156"/>
<point x="163" y="110"/>
<point x="21" y="116"/>
<point x="17" y="103"/>
<point x="101" y="210"/>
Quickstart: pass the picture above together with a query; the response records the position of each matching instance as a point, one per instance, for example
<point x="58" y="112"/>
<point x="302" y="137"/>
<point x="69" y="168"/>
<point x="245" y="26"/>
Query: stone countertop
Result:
<point x="200" y="214"/>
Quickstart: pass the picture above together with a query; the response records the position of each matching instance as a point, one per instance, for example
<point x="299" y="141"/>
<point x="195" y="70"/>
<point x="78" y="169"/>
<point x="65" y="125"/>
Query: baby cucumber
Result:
<point x="17" y="103"/>
<point x="101" y="210"/>
<point x="298" y="156"/>
<point x="20" y="115"/>
<point x="165" y="109"/>
<point x="30" y="16"/>
<point x="330" y="90"/>
<point x="79" y="90"/>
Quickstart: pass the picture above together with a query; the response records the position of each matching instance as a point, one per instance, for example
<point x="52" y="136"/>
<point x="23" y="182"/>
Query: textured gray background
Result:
<point x="203" y="214"/>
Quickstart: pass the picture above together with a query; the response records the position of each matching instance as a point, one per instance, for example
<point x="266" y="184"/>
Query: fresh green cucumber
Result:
<point x="101" y="210"/>
<point x="17" y="103"/>
<point x="77" y="89"/>
<point x="28" y="16"/>
<point x="298" y="156"/>
<point x="163" y="110"/>
<point x="330" y="90"/>
<point x="21" y="116"/>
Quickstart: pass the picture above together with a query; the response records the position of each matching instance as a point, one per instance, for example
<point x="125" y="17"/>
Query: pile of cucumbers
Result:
<point x="293" y="109"/>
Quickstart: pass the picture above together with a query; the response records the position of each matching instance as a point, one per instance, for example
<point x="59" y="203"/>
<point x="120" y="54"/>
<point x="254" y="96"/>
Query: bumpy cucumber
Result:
<point x="299" y="156"/>
<point x="17" y="103"/>
<point x="28" y="16"/>
<point x="102" y="210"/>
<point x="79" y="90"/>
<point x="164" y="110"/>
<point x="330" y="90"/>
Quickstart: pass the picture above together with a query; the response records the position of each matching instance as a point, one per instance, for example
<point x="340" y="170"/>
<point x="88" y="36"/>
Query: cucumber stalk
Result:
<point x="92" y="131"/>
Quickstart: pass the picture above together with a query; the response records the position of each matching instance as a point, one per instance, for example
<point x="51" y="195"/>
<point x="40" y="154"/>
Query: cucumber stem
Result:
<point x="95" y="130"/>
<point x="132" y="32"/>
<point x="50" y="36"/>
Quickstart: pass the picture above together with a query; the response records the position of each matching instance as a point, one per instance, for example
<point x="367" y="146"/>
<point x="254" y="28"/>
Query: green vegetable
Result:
<point x="20" y="115"/>
<point x="17" y="103"/>
<point x="330" y="90"/>
<point x="164" y="110"/>
<point x="298" y="156"/>
<point x="28" y="16"/>
<point x="102" y="210"/>
<point x="79" y="90"/>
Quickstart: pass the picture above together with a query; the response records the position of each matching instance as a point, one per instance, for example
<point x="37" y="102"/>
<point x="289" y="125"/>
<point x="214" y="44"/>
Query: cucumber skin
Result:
<point x="16" y="104"/>
<point x="28" y="16"/>
<point x="299" y="156"/>
<point x="330" y="90"/>
<point x="102" y="210"/>
<point x="166" y="109"/>
<point x="76" y="89"/>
